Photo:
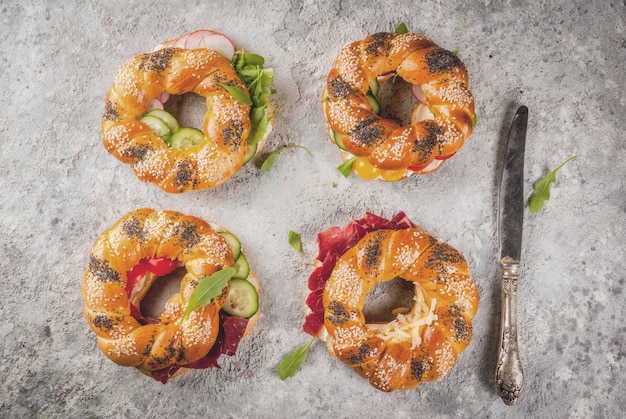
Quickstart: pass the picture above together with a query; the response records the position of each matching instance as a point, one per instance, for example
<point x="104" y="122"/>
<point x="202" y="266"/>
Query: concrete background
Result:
<point x="60" y="189"/>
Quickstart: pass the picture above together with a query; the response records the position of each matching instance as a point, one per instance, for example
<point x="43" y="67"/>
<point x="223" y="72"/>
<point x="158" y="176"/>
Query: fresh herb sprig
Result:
<point x="401" y="29"/>
<point x="292" y="362"/>
<point x="295" y="241"/>
<point x="207" y="289"/>
<point x="258" y="80"/>
<point x="271" y="158"/>
<point x="237" y="93"/>
<point x="345" y="168"/>
<point x="541" y="191"/>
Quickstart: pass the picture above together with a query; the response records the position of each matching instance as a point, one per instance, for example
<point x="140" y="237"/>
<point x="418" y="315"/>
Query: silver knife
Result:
<point x="509" y="374"/>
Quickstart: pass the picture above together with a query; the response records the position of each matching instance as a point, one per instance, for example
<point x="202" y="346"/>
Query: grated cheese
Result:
<point x="409" y="326"/>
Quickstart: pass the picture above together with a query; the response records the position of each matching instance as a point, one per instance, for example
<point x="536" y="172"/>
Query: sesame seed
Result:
<point x="345" y="107"/>
<point x="439" y="274"/>
<point x="127" y="101"/>
<point x="195" y="243"/>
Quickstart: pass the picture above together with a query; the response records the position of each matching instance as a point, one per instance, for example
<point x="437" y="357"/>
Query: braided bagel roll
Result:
<point x="175" y="161"/>
<point x="380" y="148"/>
<point x="419" y="345"/>
<point x="124" y="262"/>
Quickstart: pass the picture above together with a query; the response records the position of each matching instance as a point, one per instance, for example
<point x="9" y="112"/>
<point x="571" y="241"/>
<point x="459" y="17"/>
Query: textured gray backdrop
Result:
<point x="60" y="189"/>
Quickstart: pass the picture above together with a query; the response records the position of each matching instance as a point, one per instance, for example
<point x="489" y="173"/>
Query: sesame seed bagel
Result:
<point x="422" y="343"/>
<point x="113" y="289"/>
<point x="382" y="148"/>
<point x="177" y="67"/>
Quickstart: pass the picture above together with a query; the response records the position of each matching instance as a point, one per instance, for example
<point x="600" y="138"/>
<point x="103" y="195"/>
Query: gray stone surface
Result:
<point x="565" y="60"/>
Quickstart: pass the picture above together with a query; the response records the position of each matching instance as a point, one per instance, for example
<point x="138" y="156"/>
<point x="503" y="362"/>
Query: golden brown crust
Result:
<point x="392" y="362"/>
<point x="383" y="148"/>
<point x="177" y="71"/>
<point x="146" y="233"/>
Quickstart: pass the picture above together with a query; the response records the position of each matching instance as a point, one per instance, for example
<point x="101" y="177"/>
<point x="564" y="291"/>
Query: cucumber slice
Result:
<point x="157" y="126"/>
<point x="243" y="300"/>
<point x="374" y="86"/>
<point x="166" y="117"/>
<point x="250" y="153"/>
<point x="242" y="267"/>
<point x="234" y="243"/>
<point x="185" y="138"/>
<point x="373" y="103"/>
<point x="338" y="140"/>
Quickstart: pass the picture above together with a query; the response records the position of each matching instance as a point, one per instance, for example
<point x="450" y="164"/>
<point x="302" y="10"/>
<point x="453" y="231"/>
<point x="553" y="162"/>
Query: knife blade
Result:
<point x="509" y="378"/>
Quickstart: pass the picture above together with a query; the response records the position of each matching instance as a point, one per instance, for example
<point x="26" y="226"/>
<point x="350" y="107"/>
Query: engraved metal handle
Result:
<point x="509" y="374"/>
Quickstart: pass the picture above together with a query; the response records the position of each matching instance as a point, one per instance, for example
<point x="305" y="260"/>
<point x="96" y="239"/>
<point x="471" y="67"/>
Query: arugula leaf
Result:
<point x="401" y="29"/>
<point x="291" y="364"/>
<point x="542" y="189"/>
<point x="269" y="160"/>
<point x="207" y="289"/>
<point x="294" y="241"/>
<point x="237" y="93"/>
<point x="346" y="167"/>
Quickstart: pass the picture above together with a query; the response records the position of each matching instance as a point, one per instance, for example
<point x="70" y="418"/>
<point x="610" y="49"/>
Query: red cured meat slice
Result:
<point x="316" y="280"/>
<point x="314" y="301"/>
<point x="313" y="323"/>
<point x="230" y="334"/>
<point x="333" y="243"/>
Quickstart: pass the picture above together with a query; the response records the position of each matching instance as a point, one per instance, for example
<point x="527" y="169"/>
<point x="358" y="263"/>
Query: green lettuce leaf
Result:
<point x="258" y="80"/>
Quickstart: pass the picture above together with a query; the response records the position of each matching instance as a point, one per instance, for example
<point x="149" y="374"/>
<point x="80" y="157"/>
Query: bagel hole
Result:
<point x="396" y="100"/>
<point x="386" y="297"/>
<point x="163" y="287"/>
<point x="189" y="109"/>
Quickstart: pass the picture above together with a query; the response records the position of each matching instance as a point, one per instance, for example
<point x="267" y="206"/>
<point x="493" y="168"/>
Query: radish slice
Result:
<point x="203" y="38"/>
<point x="173" y="43"/>
<point x="163" y="97"/>
<point x="385" y="76"/>
<point x="180" y="42"/>
<point x="197" y="39"/>
<point x="416" y="168"/>
<point x="420" y="113"/>
<point x="434" y="165"/>
<point x="445" y="157"/>
<point x="208" y="39"/>
<point x="155" y="104"/>
<point x="418" y="94"/>
<point x="431" y="167"/>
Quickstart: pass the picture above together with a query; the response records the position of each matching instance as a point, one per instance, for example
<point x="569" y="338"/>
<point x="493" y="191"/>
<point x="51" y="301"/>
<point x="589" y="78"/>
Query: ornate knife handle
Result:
<point x="509" y="374"/>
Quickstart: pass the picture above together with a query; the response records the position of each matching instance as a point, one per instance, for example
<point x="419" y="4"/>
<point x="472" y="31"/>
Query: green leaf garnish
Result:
<point x="542" y="189"/>
<point x="294" y="241"/>
<point x="291" y="364"/>
<point x="346" y="167"/>
<point x="401" y="28"/>
<point x="258" y="80"/>
<point x="246" y="59"/>
<point x="269" y="160"/>
<point x="237" y="93"/>
<point x="474" y="120"/>
<point x="207" y="289"/>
